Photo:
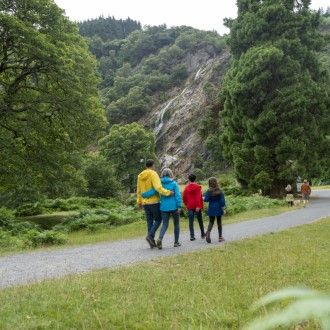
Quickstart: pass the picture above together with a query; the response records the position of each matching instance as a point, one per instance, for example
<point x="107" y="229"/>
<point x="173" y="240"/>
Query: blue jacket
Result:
<point x="216" y="203"/>
<point x="167" y="203"/>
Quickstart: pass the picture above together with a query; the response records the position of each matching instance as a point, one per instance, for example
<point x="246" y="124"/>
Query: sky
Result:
<point x="204" y="15"/>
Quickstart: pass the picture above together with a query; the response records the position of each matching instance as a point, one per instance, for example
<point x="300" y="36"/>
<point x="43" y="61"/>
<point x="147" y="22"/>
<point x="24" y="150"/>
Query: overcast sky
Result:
<point x="204" y="15"/>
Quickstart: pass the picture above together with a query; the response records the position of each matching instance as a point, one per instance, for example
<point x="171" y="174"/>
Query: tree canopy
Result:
<point x="127" y="147"/>
<point x="49" y="105"/>
<point x="275" y="95"/>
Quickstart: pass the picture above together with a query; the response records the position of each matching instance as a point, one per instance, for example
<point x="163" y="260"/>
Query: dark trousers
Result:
<point x="191" y="216"/>
<point x="211" y="223"/>
<point x="153" y="217"/>
<point x="176" y="222"/>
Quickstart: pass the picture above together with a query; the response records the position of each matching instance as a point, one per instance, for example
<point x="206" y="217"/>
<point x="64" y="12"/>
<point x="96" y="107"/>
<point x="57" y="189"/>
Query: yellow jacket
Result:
<point x="148" y="179"/>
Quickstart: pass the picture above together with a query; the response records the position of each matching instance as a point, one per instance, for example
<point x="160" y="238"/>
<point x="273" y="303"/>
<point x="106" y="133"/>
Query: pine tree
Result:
<point x="276" y="95"/>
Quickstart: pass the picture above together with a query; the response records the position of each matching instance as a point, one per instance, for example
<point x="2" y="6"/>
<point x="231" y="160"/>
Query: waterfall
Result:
<point x="198" y="73"/>
<point x="160" y="121"/>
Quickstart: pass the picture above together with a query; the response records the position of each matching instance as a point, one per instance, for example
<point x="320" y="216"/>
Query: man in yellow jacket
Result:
<point x="148" y="179"/>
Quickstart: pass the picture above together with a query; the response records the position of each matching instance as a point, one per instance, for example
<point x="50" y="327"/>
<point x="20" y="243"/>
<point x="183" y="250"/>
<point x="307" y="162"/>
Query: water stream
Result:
<point x="160" y="121"/>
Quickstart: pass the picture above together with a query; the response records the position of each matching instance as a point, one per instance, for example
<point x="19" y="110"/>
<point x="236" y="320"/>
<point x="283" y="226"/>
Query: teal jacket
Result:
<point x="167" y="203"/>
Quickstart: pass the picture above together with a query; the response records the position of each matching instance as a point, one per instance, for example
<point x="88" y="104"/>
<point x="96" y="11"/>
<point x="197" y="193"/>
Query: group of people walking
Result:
<point x="161" y="198"/>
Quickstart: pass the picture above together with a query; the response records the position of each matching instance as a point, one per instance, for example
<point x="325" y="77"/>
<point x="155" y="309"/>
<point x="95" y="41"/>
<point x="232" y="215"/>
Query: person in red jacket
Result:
<point x="193" y="199"/>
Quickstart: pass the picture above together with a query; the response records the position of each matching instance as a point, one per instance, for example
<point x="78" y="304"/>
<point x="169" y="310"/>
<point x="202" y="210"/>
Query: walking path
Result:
<point x="35" y="266"/>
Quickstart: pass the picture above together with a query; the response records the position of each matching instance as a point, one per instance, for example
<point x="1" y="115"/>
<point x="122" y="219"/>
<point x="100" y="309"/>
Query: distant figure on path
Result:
<point x="193" y="199"/>
<point x="217" y="204"/>
<point x="148" y="179"/>
<point x="169" y="206"/>
<point x="306" y="192"/>
<point x="289" y="195"/>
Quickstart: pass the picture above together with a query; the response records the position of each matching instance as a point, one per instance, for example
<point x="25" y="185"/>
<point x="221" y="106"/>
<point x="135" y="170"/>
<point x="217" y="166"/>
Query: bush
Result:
<point x="101" y="179"/>
<point x="237" y="204"/>
<point x="6" y="217"/>
<point x="48" y="237"/>
<point x="99" y="218"/>
<point x="29" y="209"/>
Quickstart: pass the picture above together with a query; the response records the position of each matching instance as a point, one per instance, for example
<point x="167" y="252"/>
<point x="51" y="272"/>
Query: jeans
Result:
<point x="191" y="216"/>
<point x="212" y="219"/>
<point x="154" y="218"/>
<point x="166" y="218"/>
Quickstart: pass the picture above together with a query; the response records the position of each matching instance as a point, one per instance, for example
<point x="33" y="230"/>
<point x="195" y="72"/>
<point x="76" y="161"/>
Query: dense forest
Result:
<point x="52" y="118"/>
<point x="137" y="69"/>
<point x="108" y="28"/>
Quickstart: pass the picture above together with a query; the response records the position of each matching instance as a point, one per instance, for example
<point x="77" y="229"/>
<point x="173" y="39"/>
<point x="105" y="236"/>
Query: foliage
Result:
<point x="49" y="105"/>
<point x="6" y="217"/>
<point x="99" y="219"/>
<point x="275" y="95"/>
<point x="29" y="209"/>
<point x="108" y="28"/>
<point x="307" y="305"/>
<point x="135" y="70"/>
<point x="100" y="177"/>
<point x="237" y="204"/>
<point x="20" y="234"/>
<point x="127" y="147"/>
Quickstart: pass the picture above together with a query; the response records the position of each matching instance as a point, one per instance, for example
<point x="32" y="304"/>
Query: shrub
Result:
<point x="48" y="237"/>
<point x="99" y="218"/>
<point x="29" y="209"/>
<point x="237" y="204"/>
<point x="6" y="217"/>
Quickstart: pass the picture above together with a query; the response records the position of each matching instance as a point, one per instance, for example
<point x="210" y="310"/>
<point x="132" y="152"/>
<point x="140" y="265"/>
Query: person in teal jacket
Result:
<point x="169" y="205"/>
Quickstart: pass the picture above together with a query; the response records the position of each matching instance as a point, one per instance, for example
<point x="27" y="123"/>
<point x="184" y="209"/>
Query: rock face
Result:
<point x="175" y="122"/>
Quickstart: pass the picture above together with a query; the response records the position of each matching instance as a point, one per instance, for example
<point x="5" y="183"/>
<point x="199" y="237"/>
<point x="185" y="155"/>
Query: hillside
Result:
<point x="164" y="78"/>
<point x="168" y="79"/>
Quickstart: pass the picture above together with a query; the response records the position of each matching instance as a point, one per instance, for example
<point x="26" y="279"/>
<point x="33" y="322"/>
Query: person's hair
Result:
<point x="214" y="187"/>
<point x="192" y="177"/>
<point x="167" y="172"/>
<point x="150" y="163"/>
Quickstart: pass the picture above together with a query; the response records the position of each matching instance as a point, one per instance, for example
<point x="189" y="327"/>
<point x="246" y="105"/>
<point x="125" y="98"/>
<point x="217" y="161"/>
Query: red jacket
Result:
<point x="192" y="196"/>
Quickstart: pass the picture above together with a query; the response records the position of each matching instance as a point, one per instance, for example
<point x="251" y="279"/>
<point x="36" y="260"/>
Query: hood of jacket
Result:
<point x="146" y="174"/>
<point x="167" y="182"/>
<point x="192" y="187"/>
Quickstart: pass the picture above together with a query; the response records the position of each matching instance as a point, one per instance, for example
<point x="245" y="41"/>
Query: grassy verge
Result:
<point x="211" y="289"/>
<point x="321" y="187"/>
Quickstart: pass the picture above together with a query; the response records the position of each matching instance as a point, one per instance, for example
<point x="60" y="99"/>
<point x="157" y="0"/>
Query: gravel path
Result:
<point x="35" y="266"/>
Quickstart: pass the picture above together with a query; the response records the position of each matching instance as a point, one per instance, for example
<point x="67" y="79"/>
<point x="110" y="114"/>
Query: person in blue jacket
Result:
<point x="169" y="206"/>
<point x="217" y="205"/>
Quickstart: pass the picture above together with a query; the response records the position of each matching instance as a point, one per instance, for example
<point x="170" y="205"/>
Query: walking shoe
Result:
<point x="208" y="237"/>
<point x="177" y="244"/>
<point x="192" y="238"/>
<point x="159" y="244"/>
<point x="221" y="239"/>
<point x="151" y="241"/>
<point x="203" y="236"/>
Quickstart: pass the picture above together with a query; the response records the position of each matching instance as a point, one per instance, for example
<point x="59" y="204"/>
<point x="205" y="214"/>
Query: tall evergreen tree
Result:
<point x="276" y="95"/>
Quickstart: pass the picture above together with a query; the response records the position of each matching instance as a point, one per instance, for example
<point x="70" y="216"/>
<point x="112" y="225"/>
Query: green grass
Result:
<point x="321" y="187"/>
<point x="211" y="289"/>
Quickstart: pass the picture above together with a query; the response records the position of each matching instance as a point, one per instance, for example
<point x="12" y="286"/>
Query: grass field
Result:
<point x="211" y="289"/>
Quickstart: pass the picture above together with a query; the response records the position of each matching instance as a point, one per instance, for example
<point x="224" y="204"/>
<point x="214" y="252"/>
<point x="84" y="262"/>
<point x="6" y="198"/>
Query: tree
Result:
<point x="49" y="105"/>
<point x="127" y="147"/>
<point x="100" y="177"/>
<point x="276" y="96"/>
